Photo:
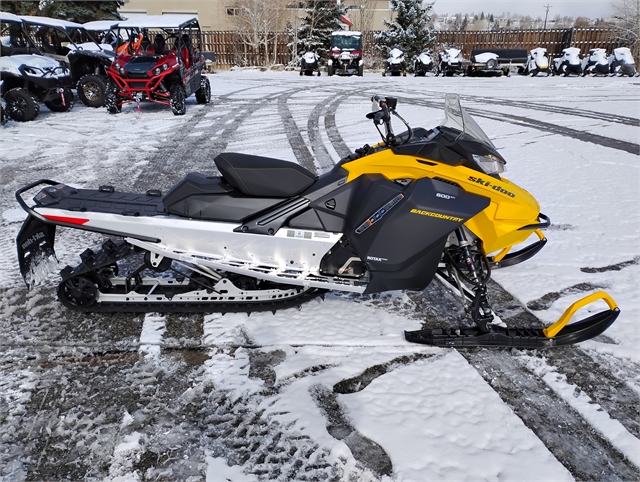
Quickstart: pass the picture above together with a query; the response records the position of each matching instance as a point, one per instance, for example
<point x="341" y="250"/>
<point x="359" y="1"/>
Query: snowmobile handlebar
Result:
<point x="382" y="109"/>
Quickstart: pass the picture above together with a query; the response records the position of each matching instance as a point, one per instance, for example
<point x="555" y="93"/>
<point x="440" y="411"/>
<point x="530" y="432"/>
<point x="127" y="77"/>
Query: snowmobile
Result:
<point x="568" y="63"/>
<point x="621" y="62"/>
<point x="452" y="62"/>
<point x="268" y="234"/>
<point x="537" y="61"/>
<point x="596" y="63"/>
<point x="422" y="64"/>
<point x="309" y="63"/>
<point x="395" y="64"/>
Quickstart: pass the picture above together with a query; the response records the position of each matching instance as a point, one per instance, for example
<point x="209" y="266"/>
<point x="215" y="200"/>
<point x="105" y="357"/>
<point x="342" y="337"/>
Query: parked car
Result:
<point x="346" y="54"/>
<point x="29" y="78"/>
<point x="496" y="62"/>
<point x="166" y="70"/>
<point x="71" y="44"/>
<point x="621" y="62"/>
<point x="537" y="61"/>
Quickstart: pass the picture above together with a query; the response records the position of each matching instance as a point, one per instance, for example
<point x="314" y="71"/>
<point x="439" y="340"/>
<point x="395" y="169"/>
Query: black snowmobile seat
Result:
<point x="263" y="176"/>
<point x="159" y="45"/>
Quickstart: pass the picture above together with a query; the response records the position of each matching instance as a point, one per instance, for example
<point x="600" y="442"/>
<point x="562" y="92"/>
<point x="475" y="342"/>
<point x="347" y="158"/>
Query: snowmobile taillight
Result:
<point x="66" y="219"/>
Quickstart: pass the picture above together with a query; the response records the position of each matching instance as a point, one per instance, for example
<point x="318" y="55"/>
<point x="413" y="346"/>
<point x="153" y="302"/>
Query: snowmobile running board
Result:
<point x="558" y="334"/>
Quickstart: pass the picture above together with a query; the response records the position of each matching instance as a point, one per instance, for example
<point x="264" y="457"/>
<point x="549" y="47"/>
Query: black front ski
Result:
<point x="499" y="336"/>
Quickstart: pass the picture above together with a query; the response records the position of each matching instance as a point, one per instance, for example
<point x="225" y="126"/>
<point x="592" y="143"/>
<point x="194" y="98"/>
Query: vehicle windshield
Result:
<point x="346" y="41"/>
<point x="455" y="117"/>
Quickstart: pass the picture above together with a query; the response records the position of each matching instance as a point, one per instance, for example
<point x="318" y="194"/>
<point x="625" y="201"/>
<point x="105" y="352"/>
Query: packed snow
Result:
<point x="434" y="416"/>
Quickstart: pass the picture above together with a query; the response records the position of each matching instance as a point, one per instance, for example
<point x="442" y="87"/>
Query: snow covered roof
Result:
<point x="51" y="22"/>
<point x="158" y="21"/>
<point x="9" y="17"/>
<point x="101" y="24"/>
<point x="348" y="33"/>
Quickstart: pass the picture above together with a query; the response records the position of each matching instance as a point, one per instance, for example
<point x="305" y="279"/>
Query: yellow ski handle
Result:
<point x="554" y="329"/>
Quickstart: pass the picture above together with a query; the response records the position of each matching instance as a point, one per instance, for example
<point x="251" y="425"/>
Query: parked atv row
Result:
<point x="42" y="59"/>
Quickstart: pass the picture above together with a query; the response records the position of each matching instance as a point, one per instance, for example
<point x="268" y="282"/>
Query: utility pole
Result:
<point x="547" y="6"/>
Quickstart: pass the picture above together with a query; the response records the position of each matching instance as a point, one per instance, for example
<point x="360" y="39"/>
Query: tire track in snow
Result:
<point x="573" y="441"/>
<point x="332" y="130"/>
<point x="323" y="158"/>
<point x="299" y="147"/>
<point x="578" y="445"/>
<point x="512" y="119"/>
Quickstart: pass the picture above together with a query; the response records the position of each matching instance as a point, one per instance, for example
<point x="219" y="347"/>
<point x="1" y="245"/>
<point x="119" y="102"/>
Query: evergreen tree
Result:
<point x="410" y="30"/>
<point x="77" y="11"/>
<point x="321" y="19"/>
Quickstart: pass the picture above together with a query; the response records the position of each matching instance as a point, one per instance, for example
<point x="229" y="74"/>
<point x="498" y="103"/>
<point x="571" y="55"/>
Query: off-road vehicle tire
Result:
<point x="111" y="98"/>
<point x="329" y="70"/>
<point x="360" y="70"/>
<point x="91" y="90"/>
<point x="56" y="105"/>
<point x="203" y="94"/>
<point x="3" y="112"/>
<point x="178" y="99"/>
<point x="22" y="106"/>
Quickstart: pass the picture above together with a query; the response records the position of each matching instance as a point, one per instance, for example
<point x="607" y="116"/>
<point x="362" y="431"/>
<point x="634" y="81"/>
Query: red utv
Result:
<point x="158" y="62"/>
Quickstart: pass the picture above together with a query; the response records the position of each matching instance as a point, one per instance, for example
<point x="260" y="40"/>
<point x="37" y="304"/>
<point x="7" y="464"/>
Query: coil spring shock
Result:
<point x="470" y="263"/>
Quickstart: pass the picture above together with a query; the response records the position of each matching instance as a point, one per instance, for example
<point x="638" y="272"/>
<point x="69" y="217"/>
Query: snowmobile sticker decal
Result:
<point x="437" y="215"/>
<point x="298" y="234"/>
<point x="482" y="182"/>
<point x="375" y="217"/>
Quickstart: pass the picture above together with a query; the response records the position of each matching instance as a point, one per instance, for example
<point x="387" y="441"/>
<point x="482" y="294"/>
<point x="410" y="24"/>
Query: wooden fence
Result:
<point x="553" y="40"/>
<point x="231" y="50"/>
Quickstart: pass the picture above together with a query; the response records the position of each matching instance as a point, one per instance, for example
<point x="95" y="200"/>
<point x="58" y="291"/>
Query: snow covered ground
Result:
<point x="332" y="391"/>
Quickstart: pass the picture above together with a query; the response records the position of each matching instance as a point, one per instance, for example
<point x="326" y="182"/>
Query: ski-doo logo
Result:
<point x="482" y="182"/>
<point x="374" y="258"/>
<point x="444" y="196"/>
<point x="437" y="215"/>
<point x="33" y="239"/>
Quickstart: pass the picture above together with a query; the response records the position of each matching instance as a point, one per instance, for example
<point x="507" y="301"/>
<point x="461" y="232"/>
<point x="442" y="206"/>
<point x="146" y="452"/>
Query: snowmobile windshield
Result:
<point x="455" y="117"/>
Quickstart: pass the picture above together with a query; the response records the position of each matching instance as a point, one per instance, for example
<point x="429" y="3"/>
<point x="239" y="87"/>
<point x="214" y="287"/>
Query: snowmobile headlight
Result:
<point x="30" y="71"/>
<point x="490" y="164"/>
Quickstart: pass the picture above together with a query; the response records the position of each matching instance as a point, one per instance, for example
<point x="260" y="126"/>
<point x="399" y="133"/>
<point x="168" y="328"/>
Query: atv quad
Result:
<point x="71" y="44"/>
<point x="166" y="70"/>
<point x="29" y="79"/>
